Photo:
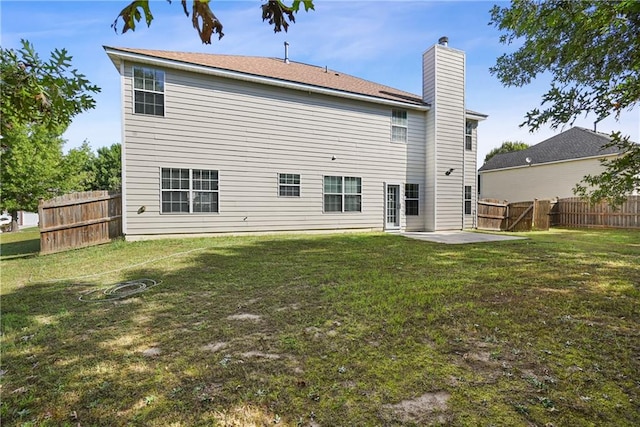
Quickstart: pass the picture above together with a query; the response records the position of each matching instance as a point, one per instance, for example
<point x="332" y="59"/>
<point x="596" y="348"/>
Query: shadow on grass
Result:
<point x="20" y="249"/>
<point x="332" y="326"/>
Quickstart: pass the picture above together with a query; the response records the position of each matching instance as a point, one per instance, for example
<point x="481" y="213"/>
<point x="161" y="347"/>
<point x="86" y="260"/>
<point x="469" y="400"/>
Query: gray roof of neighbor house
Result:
<point x="572" y="144"/>
<point x="278" y="70"/>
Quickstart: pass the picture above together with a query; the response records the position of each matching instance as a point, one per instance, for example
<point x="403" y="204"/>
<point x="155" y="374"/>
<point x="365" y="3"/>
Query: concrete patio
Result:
<point x="459" y="237"/>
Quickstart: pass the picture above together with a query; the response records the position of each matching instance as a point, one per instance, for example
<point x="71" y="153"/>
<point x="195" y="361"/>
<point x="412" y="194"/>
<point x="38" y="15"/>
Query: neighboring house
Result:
<point x="28" y="219"/>
<point x="25" y="219"/>
<point x="546" y="170"/>
<point x="229" y="144"/>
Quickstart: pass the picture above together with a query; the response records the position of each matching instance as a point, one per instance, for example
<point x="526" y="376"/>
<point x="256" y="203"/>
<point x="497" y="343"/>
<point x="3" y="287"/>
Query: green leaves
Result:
<point x="591" y="49"/>
<point x="620" y="177"/>
<point x="277" y="13"/>
<point x="308" y="5"/>
<point x="205" y="21"/>
<point x="48" y="93"/>
<point x="107" y="168"/>
<point x="31" y="167"/>
<point x="132" y="14"/>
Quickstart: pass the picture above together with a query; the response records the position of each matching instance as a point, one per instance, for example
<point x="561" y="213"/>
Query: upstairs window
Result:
<point x="189" y="190"/>
<point x="288" y="185"/>
<point x="148" y="91"/>
<point x="468" y="136"/>
<point x="399" y="125"/>
<point x="342" y="194"/>
<point x="411" y="199"/>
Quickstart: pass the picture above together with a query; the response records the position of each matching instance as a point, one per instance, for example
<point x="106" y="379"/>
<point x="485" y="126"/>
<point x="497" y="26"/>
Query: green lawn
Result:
<point x="328" y="330"/>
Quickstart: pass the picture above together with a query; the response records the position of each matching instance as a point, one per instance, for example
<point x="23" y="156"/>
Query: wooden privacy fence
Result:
<point x="491" y="214"/>
<point x="79" y="219"/>
<point x="519" y="216"/>
<point x="577" y="212"/>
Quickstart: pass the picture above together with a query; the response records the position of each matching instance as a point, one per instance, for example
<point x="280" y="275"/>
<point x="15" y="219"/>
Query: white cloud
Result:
<point x="376" y="40"/>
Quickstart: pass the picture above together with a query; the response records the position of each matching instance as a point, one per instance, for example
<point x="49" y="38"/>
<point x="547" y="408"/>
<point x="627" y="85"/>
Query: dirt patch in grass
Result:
<point x="245" y="316"/>
<point x="214" y="347"/>
<point x="152" y="352"/>
<point x="260" y="355"/>
<point x="427" y="409"/>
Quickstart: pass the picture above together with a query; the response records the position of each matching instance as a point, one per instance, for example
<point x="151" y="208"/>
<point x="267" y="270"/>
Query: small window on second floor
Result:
<point x="399" y="125"/>
<point x="148" y="91"/>
<point x="468" y="136"/>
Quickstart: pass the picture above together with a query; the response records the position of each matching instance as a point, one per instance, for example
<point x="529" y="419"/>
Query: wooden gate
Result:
<point x="491" y="214"/>
<point x="79" y="219"/>
<point x="518" y="216"/>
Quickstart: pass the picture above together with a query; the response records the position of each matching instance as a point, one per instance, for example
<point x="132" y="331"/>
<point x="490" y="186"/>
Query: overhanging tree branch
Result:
<point x="205" y="22"/>
<point x="591" y="49"/>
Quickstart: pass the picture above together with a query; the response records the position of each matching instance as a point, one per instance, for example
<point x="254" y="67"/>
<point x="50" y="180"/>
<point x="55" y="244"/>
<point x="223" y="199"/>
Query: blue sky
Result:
<point x="382" y="41"/>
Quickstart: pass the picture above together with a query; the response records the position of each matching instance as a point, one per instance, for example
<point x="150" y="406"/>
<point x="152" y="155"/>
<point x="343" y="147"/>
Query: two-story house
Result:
<point x="230" y="144"/>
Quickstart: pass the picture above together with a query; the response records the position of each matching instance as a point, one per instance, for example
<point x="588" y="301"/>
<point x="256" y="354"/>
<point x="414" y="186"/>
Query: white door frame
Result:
<point x="392" y="211"/>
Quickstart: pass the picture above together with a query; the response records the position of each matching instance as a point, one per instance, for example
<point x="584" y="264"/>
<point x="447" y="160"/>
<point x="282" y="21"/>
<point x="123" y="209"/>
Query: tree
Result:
<point x="48" y="93"/>
<point x="203" y="19"/>
<point x="107" y="168"/>
<point x="591" y="49"/>
<point x="31" y="169"/>
<point x="78" y="169"/>
<point x="39" y="100"/>
<point x="506" y="147"/>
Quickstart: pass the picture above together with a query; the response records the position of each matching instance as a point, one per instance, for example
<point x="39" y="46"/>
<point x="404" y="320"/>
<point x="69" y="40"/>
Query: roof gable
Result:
<point x="575" y="143"/>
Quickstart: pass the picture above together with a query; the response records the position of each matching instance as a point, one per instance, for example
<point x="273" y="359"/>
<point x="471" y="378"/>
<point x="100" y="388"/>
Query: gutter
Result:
<point x="117" y="56"/>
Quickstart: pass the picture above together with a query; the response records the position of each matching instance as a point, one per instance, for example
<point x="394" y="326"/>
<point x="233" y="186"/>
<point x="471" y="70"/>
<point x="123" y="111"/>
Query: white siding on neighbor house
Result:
<point x="542" y="181"/>
<point x="444" y="89"/>
<point x="249" y="133"/>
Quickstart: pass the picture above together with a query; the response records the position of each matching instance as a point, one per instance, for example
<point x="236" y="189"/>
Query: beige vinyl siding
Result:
<point x="415" y="170"/>
<point x="429" y="96"/>
<point x="444" y="88"/>
<point x="543" y="181"/>
<point x="249" y="133"/>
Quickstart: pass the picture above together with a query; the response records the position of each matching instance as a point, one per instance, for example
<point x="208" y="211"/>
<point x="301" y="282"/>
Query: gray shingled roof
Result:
<point x="575" y="143"/>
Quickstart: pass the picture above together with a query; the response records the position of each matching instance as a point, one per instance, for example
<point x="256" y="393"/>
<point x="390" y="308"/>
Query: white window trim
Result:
<point x="190" y="192"/>
<point x="299" y="185"/>
<point x="406" y="198"/>
<point x="468" y="135"/>
<point x="404" y="126"/>
<point x="470" y="200"/>
<point x="133" y="91"/>
<point x="342" y="194"/>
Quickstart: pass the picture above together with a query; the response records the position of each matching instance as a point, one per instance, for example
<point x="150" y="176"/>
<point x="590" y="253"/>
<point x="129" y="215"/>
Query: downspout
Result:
<point x="123" y="164"/>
